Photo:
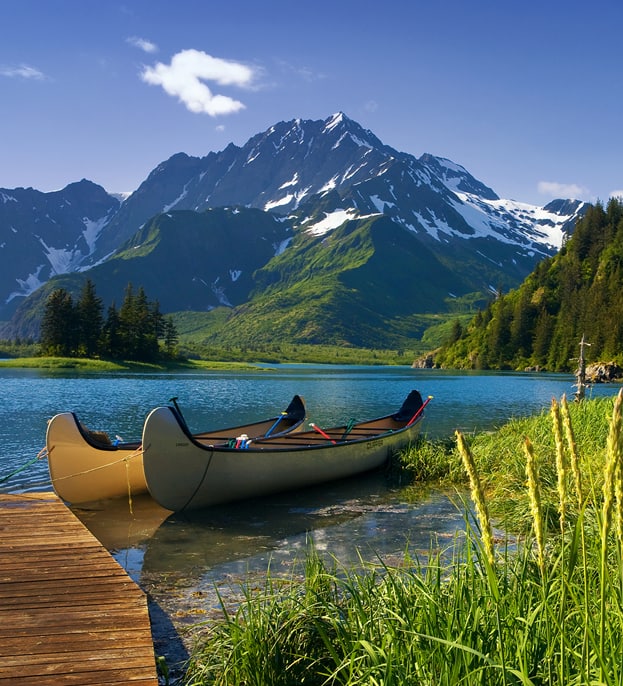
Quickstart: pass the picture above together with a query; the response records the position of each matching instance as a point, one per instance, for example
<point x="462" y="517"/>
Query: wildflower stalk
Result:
<point x="577" y="480"/>
<point x="613" y="465"/>
<point x="478" y="496"/>
<point x="573" y="451"/>
<point x="561" y="466"/>
<point x="534" y="492"/>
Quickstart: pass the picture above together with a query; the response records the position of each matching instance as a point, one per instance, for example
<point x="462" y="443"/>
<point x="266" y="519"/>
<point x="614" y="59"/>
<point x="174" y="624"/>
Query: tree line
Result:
<point x="577" y="292"/>
<point x="79" y="328"/>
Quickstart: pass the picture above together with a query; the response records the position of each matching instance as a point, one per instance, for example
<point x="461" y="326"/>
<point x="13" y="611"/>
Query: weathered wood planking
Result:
<point x="69" y="614"/>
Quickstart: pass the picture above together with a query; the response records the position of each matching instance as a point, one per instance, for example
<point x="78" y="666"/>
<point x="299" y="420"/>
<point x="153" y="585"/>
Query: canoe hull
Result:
<point x="82" y="473"/>
<point x="84" y="467"/>
<point x="183" y="475"/>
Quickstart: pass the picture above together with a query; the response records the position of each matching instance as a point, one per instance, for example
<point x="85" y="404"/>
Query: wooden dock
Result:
<point x="69" y="614"/>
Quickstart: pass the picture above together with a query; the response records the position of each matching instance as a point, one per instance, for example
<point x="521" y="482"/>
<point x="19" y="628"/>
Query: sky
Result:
<point x="526" y="95"/>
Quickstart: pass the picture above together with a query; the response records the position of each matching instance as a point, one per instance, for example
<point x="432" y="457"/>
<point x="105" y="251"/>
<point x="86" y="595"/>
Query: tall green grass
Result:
<point x="547" y="609"/>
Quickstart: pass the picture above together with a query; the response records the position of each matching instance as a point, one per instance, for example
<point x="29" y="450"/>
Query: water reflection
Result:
<point x="193" y="562"/>
<point x="122" y="523"/>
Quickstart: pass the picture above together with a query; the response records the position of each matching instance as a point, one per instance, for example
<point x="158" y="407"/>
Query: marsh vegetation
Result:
<point x="541" y="604"/>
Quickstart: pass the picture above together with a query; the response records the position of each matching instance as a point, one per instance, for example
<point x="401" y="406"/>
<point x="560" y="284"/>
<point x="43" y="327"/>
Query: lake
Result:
<point x="179" y="560"/>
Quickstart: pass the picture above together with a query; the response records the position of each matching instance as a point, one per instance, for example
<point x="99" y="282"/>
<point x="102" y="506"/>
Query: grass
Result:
<point x="80" y="364"/>
<point x="546" y="608"/>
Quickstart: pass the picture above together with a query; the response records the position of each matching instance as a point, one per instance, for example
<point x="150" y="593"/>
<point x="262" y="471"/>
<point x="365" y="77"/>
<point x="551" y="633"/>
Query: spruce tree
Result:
<point x="58" y="325"/>
<point x="90" y="321"/>
<point x="170" y="336"/>
<point x="112" y="345"/>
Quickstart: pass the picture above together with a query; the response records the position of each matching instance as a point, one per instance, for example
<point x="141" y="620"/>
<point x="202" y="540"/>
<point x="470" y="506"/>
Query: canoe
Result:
<point x="184" y="472"/>
<point x="87" y="465"/>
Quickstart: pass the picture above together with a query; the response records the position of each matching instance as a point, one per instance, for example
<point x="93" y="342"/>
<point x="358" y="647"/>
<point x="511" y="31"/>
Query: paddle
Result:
<point x="272" y="428"/>
<point x="321" y="432"/>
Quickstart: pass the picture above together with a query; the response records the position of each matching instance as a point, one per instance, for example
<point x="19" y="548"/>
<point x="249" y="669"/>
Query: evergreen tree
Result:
<point x="58" y="325"/>
<point x="128" y="326"/>
<point x="577" y="292"/>
<point x="170" y="336"/>
<point x="131" y="333"/>
<point x="112" y="345"/>
<point x="140" y="326"/>
<point x="456" y="331"/>
<point x="90" y="321"/>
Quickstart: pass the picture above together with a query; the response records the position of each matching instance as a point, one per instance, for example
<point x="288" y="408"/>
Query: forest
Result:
<point x="80" y="329"/>
<point x="578" y="292"/>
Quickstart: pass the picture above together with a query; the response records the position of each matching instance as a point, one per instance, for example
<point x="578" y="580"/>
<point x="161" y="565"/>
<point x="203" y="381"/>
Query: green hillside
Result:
<point x="578" y="292"/>
<point x="366" y="284"/>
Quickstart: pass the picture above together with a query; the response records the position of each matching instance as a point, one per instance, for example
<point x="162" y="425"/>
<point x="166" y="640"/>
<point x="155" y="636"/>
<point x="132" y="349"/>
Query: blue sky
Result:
<point x="527" y="96"/>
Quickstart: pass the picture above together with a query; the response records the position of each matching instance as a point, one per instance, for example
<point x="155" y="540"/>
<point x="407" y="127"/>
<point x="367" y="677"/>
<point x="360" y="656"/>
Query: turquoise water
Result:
<point x="119" y="403"/>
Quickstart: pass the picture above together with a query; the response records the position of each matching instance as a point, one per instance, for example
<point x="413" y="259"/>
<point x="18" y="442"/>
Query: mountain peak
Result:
<point x="319" y="177"/>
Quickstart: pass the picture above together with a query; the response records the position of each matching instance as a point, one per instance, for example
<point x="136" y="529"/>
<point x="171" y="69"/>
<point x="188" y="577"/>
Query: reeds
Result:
<point x="547" y="611"/>
<point x="478" y="497"/>
<point x="534" y="491"/>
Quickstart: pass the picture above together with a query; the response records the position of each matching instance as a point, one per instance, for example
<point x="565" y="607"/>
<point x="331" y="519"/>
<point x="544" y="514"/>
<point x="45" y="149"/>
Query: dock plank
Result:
<point x="69" y="614"/>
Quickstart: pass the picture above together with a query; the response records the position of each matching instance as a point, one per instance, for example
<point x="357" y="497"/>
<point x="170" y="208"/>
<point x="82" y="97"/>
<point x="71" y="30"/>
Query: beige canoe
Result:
<point x="185" y="472"/>
<point x="86" y="465"/>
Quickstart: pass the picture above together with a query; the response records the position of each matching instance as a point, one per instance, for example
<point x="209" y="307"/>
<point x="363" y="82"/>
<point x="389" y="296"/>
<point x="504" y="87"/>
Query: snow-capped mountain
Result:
<point x="46" y="234"/>
<point x="291" y="163"/>
<point x="326" y="181"/>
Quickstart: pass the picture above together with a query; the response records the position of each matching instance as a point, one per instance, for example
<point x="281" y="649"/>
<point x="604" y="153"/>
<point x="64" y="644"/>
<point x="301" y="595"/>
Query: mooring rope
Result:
<point x="127" y="476"/>
<point x="126" y="459"/>
<point x="43" y="453"/>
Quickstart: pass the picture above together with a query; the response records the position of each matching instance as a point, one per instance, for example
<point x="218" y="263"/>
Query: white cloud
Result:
<point x="142" y="44"/>
<point x="616" y="194"/>
<point x="185" y="78"/>
<point x="23" y="71"/>
<point x="562" y="190"/>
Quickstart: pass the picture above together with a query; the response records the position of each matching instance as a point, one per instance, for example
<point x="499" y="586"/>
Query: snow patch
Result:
<point x="280" y="247"/>
<point x="329" y="185"/>
<point x="278" y="203"/>
<point x="335" y="120"/>
<point x="180" y="197"/>
<point x="219" y="292"/>
<point x="287" y="199"/>
<point x="292" y="182"/>
<point x="331" y="221"/>
<point x="92" y="230"/>
<point x="252" y="156"/>
<point x="380" y="204"/>
<point x="28" y="285"/>
<point x="62" y="260"/>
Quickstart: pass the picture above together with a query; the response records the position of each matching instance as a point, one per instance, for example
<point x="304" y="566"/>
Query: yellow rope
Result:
<point x="127" y="473"/>
<point x="125" y="458"/>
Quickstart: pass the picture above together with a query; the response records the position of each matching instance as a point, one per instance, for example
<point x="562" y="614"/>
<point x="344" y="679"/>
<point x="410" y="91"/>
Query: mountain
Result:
<point x="46" y="234"/>
<point x="361" y="223"/>
<point x="574" y="294"/>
